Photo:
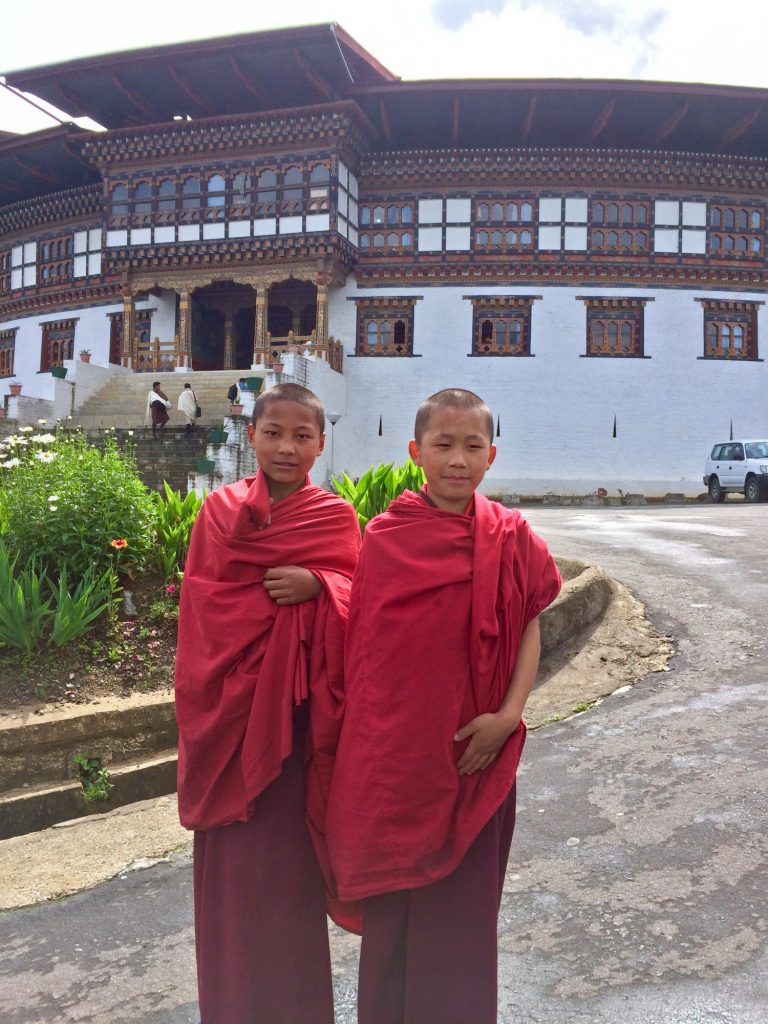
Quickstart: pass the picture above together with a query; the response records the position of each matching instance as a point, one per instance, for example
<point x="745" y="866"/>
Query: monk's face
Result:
<point x="455" y="452"/>
<point x="286" y="440"/>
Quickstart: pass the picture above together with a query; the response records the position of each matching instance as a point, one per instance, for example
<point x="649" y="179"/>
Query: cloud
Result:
<point x="453" y="14"/>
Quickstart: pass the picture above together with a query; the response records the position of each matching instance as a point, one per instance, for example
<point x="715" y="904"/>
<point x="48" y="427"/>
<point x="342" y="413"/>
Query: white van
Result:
<point x="738" y="466"/>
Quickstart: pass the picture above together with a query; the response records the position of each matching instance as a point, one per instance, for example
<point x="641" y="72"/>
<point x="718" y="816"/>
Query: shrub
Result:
<point x="63" y="501"/>
<point x="377" y="487"/>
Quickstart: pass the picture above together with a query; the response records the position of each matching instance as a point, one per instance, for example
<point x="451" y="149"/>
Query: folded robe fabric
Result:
<point x="244" y="663"/>
<point x="439" y="604"/>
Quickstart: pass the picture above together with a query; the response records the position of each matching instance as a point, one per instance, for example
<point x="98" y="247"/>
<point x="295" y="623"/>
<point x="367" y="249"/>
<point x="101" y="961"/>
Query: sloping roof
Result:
<point x="230" y="75"/>
<point x="602" y="114"/>
<point x="42" y="162"/>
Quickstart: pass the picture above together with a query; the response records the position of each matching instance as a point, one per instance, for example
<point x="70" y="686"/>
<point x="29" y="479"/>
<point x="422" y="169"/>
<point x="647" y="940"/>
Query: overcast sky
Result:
<point x="673" y="40"/>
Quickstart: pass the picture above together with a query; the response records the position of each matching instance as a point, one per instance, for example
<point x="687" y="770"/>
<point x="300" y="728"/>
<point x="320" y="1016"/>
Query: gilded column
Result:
<point x="129" y="320"/>
<point x="184" y="351"/>
<point x="229" y="339"/>
<point x="260" y="327"/>
<point x="321" y="322"/>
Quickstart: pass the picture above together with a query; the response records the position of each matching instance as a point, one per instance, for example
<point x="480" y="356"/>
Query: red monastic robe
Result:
<point x="245" y="663"/>
<point x="439" y="604"/>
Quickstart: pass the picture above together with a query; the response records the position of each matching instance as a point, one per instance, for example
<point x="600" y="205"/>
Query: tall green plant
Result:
<point x="377" y="487"/>
<point x="77" y="608"/>
<point x="174" y="518"/>
<point x="25" y="610"/>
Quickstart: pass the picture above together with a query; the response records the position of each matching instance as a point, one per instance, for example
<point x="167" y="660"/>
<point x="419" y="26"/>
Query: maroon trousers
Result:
<point x="261" y="933"/>
<point x="430" y="954"/>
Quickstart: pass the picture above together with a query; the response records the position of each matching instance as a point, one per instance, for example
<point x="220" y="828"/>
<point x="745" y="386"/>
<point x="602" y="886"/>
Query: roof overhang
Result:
<point x="43" y="162"/>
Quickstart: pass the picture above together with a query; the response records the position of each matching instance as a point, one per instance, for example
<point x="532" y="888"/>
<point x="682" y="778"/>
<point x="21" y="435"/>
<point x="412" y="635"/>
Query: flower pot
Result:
<point x="206" y="466"/>
<point x="59" y="371"/>
<point x="277" y="367"/>
<point x="15" y="389"/>
<point x="254" y="384"/>
<point x="218" y="436"/>
<point x="236" y="409"/>
<point x="85" y="357"/>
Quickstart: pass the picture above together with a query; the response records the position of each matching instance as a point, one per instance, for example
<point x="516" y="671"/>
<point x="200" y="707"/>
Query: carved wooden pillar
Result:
<point x="129" y="319"/>
<point x="260" y="326"/>
<point x="229" y="339"/>
<point x="184" y="351"/>
<point x="321" y="323"/>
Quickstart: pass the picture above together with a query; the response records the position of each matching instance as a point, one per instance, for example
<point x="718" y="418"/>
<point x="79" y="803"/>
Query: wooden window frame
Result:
<point x="733" y="233"/>
<point x="392" y="318"/>
<point x="57" y="342"/>
<point x="724" y="321"/>
<point x="392" y="233"/>
<point x="496" y="221"/>
<point x="5" y="272"/>
<point x="507" y="315"/>
<point x="607" y="320"/>
<point x="7" y="351"/>
<point x="55" y="261"/>
<point x="630" y="231"/>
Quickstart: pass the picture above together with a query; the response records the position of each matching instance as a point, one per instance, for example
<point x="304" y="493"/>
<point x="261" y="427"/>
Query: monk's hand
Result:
<point x="290" y="584"/>
<point x="488" y="735"/>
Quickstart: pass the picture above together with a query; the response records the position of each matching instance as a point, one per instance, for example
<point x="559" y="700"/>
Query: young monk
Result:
<point x="260" y="654"/>
<point x="442" y="651"/>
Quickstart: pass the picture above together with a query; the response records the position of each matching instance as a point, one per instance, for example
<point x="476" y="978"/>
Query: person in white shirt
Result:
<point x="188" y="405"/>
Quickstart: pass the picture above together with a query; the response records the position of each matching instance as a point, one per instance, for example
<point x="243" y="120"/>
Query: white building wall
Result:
<point x="557" y="408"/>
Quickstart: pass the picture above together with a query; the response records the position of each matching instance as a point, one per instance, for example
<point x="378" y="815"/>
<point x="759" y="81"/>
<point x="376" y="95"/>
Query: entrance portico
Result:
<point x="233" y="319"/>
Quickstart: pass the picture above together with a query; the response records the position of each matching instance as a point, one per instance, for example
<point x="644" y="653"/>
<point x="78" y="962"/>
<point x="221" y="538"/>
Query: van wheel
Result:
<point x="752" y="489"/>
<point x="716" y="492"/>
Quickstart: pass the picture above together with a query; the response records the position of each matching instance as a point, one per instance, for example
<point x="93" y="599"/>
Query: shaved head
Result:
<point x="290" y="393"/>
<point x="455" y="398"/>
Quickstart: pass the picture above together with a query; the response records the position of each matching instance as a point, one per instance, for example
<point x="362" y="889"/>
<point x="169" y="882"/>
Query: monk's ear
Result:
<point x="251" y="435"/>
<point x="491" y="455"/>
<point x="321" y="444"/>
<point x="415" y="452"/>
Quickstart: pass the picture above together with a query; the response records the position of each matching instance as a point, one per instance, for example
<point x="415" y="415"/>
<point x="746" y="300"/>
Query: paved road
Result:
<point x="636" y="888"/>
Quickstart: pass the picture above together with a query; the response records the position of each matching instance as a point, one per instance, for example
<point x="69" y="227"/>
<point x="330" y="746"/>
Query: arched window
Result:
<point x="399" y="335"/>
<point x="717" y="219"/>
<point x="755" y="245"/>
<point x="500" y="334"/>
<point x="626" y="239"/>
<point x="598" y="332"/>
<point x="711" y="338"/>
<point x="407" y="239"/>
<point x="526" y="238"/>
<point x="755" y="219"/>
<point x="497" y="213"/>
<point x="613" y="333"/>
<point x="379" y="216"/>
<point x="191" y="193"/>
<point x="385" y="335"/>
<point x="626" y="214"/>
<point x="715" y="242"/>
<point x="729" y="220"/>
<point x="393" y="215"/>
<point x="406" y="215"/>
<point x="741" y="220"/>
<point x="365" y="216"/>
<point x="319" y="175"/>
<point x="486" y="331"/>
<point x="392" y="239"/>
<point x="166" y="193"/>
<point x="738" y="338"/>
<point x="725" y="336"/>
<point x="292" y="190"/>
<point x="119" y="201"/>
<point x="642" y="239"/>
<point x="612" y="239"/>
<point x="511" y="238"/>
<point x="612" y="214"/>
<point x="365" y="241"/>
<point x="741" y="243"/>
<point x="378" y="240"/>
<point x="598" y="212"/>
<point x="728" y="243"/>
<point x="266" y="191"/>
<point x="515" y="333"/>
<point x="482" y="211"/>
<point x="482" y="238"/>
<point x="512" y="213"/>
<point x="598" y="238"/>
<point x="373" y="334"/>
<point x="641" y="214"/>
<point x="626" y="337"/>
<point x="496" y="238"/>
<point x="526" y="213"/>
<point x="215" y="188"/>
<point x="142" y="197"/>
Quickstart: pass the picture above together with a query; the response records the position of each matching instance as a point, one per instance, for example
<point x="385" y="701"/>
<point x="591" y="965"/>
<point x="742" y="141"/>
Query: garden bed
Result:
<point x="118" y="657"/>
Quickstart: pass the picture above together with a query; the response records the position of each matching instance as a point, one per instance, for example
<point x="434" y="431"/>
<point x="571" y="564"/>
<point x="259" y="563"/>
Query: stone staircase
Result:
<point x="122" y="402"/>
<point x="169" y="457"/>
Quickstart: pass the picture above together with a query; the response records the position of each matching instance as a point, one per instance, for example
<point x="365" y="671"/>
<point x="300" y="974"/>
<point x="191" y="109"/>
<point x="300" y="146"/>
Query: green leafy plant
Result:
<point x="25" y="610"/>
<point x="75" y="612"/>
<point x="174" y="518"/>
<point x="94" y="778"/>
<point x="63" y="501"/>
<point x="378" y="487"/>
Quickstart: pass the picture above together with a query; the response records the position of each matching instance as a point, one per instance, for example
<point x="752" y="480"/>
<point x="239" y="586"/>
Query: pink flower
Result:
<point x="171" y="589"/>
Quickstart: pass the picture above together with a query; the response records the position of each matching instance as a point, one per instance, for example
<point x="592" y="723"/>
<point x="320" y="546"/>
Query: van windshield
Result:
<point x="757" y="450"/>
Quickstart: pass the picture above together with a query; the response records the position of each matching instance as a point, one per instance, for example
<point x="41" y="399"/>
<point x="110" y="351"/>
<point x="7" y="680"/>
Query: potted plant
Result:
<point x="277" y="365"/>
<point x="59" y="371"/>
<point x="236" y="408"/>
<point x="85" y="355"/>
<point x="206" y="466"/>
<point x="15" y="388"/>
<point x="218" y="435"/>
